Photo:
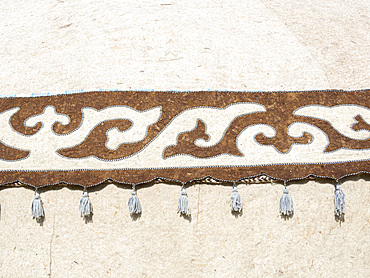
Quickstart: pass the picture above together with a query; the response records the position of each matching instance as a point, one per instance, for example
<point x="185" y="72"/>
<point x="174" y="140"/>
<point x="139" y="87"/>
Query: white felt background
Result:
<point x="185" y="45"/>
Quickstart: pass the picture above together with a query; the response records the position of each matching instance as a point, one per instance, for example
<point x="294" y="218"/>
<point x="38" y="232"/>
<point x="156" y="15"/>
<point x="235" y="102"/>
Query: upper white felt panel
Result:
<point x="49" y="46"/>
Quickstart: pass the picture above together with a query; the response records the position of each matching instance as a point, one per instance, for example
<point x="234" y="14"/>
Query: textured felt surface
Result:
<point x="268" y="45"/>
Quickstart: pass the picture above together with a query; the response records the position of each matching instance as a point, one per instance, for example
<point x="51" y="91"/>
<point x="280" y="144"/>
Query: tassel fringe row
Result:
<point x="286" y="204"/>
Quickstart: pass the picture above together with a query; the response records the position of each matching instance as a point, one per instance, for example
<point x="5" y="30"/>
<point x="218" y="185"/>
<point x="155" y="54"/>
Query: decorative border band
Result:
<point x="138" y="136"/>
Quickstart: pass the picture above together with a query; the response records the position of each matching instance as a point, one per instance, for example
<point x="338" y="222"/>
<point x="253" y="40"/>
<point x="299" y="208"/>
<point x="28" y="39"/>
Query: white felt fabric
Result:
<point x="56" y="45"/>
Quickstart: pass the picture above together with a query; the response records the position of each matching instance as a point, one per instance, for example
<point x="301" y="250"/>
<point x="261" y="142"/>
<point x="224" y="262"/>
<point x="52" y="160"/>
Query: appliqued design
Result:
<point x="135" y="137"/>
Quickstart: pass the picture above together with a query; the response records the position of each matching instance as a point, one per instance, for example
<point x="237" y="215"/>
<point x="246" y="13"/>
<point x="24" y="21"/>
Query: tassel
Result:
<point x="183" y="204"/>
<point x="286" y="203"/>
<point x="236" y="200"/>
<point x="37" y="209"/>
<point x="85" y="207"/>
<point x="339" y="203"/>
<point x="134" y="203"/>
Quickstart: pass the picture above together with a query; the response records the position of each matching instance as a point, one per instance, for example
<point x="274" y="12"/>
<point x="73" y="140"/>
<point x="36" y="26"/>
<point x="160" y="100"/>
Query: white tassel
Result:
<point x="37" y="209"/>
<point x="339" y="203"/>
<point x="236" y="200"/>
<point x="134" y="203"/>
<point x="85" y="206"/>
<point x="183" y="204"/>
<point x="286" y="203"/>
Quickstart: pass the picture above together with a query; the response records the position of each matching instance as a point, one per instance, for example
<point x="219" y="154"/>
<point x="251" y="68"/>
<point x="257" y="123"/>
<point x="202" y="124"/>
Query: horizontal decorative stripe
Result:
<point x="137" y="136"/>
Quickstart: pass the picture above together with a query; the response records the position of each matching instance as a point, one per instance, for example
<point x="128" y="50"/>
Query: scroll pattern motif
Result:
<point x="178" y="131"/>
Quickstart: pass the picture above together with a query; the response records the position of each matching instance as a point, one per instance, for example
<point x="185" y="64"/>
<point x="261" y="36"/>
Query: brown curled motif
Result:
<point x="281" y="142"/>
<point x="186" y="142"/>
<point x="361" y="124"/>
<point x="336" y="140"/>
<point x="8" y="153"/>
<point x="37" y="106"/>
<point x="18" y="119"/>
<point x="91" y="144"/>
